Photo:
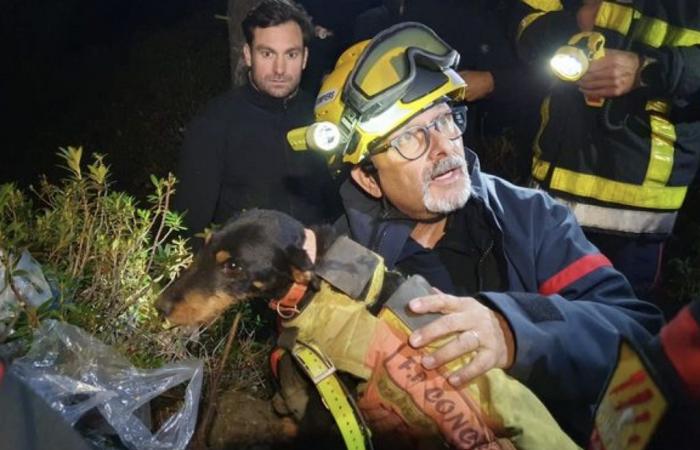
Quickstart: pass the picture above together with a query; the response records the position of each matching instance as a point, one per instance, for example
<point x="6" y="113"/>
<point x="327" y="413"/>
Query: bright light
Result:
<point x="569" y="63"/>
<point x="323" y="136"/>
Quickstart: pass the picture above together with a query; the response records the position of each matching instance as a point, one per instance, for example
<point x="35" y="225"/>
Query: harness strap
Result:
<point x="335" y="397"/>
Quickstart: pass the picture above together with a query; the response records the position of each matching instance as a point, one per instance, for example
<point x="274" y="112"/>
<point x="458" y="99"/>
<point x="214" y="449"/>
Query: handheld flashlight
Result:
<point x="570" y="62"/>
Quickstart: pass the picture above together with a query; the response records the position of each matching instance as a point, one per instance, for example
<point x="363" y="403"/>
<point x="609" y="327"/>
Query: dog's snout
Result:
<point x="164" y="307"/>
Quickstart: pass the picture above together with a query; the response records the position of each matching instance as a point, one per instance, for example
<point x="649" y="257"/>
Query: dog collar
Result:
<point x="286" y="307"/>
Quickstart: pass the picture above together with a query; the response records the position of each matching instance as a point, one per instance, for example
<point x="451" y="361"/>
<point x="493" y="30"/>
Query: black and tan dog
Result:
<point x="339" y="297"/>
<point x="259" y="255"/>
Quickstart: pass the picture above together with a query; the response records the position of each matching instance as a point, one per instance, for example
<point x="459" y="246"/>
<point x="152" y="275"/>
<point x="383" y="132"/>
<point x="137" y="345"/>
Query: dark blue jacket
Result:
<point x="566" y="305"/>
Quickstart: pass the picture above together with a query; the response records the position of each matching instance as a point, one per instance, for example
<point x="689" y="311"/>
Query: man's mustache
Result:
<point x="445" y="165"/>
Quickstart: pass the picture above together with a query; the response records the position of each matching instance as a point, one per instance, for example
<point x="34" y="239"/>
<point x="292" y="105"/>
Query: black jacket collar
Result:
<point x="267" y="102"/>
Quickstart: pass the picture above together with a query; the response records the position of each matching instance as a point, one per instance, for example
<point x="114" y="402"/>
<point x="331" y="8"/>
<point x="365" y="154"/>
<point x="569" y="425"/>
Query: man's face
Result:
<point x="276" y="58"/>
<point x="436" y="183"/>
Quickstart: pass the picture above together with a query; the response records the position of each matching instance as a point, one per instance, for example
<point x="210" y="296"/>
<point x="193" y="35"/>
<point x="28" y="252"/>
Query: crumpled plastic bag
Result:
<point x="74" y="373"/>
<point x="29" y="281"/>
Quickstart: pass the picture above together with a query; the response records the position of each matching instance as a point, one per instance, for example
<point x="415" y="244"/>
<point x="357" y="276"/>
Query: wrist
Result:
<point x="645" y="72"/>
<point x="491" y="82"/>
<point x="508" y="338"/>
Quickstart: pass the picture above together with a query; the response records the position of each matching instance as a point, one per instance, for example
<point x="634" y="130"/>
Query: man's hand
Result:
<point x="585" y="17"/>
<point x="613" y="75"/>
<point x="479" y="84"/>
<point x="476" y="328"/>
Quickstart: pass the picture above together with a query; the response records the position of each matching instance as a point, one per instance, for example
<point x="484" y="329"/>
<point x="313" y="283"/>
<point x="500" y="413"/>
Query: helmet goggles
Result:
<point x="390" y="63"/>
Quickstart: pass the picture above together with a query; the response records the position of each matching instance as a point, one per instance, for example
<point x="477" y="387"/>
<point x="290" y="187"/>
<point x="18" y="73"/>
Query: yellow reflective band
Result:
<point x="653" y="193"/>
<point x="544" y="116"/>
<point x="657" y="33"/>
<point x="658" y="106"/>
<point x="606" y="190"/>
<point x="544" y="5"/>
<point x="322" y="372"/>
<point x="539" y="168"/>
<point x="650" y="31"/>
<point x="682" y="37"/>
<point x="527" y="21"/>
<point x="663" y="135"/>
<point x="615" y="17"/>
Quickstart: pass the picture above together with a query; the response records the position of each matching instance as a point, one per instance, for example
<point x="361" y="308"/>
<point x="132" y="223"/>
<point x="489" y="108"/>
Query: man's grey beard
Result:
<point x="457" y="196"/>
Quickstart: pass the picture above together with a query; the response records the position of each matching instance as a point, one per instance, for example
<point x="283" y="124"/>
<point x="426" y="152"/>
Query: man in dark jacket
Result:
<point x="521" y="287"/>
<point x="235" y="155"/>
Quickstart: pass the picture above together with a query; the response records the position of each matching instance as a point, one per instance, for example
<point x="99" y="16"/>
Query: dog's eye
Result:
<point x="231" y="268"/>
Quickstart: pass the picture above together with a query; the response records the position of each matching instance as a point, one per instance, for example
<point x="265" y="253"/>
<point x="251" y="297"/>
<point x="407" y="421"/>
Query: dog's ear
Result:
<point x="300" y="264"/>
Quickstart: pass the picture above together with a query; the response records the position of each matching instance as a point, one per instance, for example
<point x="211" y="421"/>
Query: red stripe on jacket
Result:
<point x="573" y="272"/>
<point x="680" y="340"/>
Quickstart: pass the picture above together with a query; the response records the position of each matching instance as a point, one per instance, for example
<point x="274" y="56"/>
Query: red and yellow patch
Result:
<point x="631" y="408"/>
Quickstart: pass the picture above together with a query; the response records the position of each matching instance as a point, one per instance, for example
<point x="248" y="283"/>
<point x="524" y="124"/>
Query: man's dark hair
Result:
<point x="270" y="13"/>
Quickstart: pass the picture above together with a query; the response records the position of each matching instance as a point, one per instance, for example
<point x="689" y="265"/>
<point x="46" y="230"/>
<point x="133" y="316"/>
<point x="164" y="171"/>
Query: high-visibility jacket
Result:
<point x="624" y="167"/>
<point x="398" y="397"/>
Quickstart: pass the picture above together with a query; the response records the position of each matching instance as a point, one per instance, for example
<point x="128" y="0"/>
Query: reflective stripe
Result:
<point x="544" y="115"/>
<point x="606" y="190"/>
<point x="539" y="169"/>
<point x="657" y="33"/>
<point x="544" y="5"/>
<point x="652" y="193"/>
<point x="663" y="135"/>
<point x="623" y="220"/>
<point x="658" y="106"/>
<point x="615" y="17"/>
<point x="527" y="21"/>
<point x="650" y="30"/>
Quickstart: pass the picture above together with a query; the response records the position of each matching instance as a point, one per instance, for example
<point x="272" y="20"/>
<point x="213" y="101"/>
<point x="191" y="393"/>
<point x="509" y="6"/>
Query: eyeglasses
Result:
<point x="415" y="140"/>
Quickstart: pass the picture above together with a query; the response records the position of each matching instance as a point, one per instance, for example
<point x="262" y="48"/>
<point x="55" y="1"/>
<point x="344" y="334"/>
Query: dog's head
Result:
<point x="258" y="255"/>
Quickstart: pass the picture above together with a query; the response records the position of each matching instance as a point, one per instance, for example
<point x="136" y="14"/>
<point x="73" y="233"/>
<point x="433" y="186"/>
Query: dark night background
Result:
<point x="123" y="77"/>
<point x="119" y="77"/>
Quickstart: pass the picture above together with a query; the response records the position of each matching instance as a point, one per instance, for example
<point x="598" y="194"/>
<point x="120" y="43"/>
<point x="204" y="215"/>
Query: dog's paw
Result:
<point x="279" y="405"/>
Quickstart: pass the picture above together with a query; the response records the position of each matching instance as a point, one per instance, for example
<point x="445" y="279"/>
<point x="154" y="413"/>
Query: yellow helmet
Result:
<point x="376" y="87"/>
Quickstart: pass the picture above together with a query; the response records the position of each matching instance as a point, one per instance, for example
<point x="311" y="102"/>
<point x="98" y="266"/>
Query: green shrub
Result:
<point x="106" y="256"/>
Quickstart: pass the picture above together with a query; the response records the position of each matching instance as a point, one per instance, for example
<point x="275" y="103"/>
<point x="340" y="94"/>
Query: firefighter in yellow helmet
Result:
<point x="520" y="287"/>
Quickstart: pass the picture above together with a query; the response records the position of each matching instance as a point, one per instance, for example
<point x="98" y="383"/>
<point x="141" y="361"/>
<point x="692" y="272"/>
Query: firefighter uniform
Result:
<point x="623" y="168"/>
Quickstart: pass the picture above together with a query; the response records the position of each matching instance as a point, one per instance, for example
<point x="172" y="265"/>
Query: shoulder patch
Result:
<point x="537" y="307"/>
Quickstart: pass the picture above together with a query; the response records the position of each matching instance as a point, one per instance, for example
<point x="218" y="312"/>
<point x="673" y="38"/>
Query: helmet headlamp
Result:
<point x="323" y="136"/>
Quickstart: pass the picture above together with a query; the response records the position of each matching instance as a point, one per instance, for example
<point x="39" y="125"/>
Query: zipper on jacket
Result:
<point x="484" y="255"/>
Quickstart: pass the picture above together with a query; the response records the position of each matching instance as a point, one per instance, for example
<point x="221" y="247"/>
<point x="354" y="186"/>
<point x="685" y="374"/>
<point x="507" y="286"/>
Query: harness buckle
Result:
<point x="319" y="367"/>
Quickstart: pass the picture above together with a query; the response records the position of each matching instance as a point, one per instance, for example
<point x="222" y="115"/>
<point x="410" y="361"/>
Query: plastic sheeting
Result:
<point x="29" y="281"/>
<point x="74" y="373"/>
